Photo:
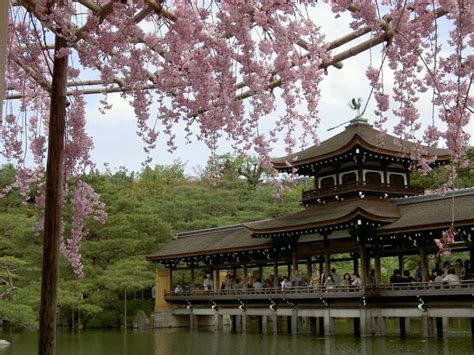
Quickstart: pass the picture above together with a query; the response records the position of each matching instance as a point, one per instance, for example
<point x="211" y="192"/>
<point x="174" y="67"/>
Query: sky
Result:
<point x="116" y="142"/>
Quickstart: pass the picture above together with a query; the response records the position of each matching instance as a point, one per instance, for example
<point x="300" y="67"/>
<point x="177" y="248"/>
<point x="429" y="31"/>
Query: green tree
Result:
<point x="130" y="274"/>
<point x="439" y="175"/>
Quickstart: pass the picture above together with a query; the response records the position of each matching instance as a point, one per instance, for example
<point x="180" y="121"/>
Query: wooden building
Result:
<point x="362" y="206"/>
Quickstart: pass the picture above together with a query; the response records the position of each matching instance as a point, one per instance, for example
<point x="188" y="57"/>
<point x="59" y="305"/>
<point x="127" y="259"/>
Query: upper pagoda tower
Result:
<point x="359" y="161"/>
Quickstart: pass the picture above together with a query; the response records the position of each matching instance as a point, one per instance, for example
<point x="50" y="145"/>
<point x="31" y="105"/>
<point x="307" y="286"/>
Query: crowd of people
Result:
<point x="235" y="282"/>
<point x="450" y="273"/>
<point x="333" y="279"/>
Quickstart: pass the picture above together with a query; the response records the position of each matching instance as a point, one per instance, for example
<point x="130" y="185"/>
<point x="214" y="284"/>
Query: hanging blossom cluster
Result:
<point x="424" y="58"/>
<point x="85" y="203"/>
<point x="216" y="68"/>
<point x="447" y="237"/>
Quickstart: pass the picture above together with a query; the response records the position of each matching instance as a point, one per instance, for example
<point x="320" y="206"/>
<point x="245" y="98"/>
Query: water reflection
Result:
<point x="225" y="342"/>
<point x="209" y="342"/>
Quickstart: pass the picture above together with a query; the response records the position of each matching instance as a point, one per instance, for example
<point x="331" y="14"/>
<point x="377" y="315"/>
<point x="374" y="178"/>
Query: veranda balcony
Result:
<point x="391" y="292"/>
<point x="361" y="186"/>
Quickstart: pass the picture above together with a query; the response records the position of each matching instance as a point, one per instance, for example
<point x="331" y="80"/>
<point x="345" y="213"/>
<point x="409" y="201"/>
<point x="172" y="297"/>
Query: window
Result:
<point x="373" y="177"/>
<point x="327" y="182"/>
<point x="397" y="179"/>
<point x="348" y="178"/>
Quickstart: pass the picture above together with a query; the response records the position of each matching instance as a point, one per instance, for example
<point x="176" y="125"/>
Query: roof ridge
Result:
<point x="205" y="230"/>
<point x="468" y="191"/>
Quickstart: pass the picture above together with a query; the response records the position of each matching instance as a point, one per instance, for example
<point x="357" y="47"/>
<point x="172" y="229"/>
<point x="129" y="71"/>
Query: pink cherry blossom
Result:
<point x="198" y="62"/>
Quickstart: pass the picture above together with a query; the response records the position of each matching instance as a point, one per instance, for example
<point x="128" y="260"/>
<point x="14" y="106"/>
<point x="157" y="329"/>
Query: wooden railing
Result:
<point x="424" y="288"/>
<point x="361" y="186"/>
<point x="465" y="287"/>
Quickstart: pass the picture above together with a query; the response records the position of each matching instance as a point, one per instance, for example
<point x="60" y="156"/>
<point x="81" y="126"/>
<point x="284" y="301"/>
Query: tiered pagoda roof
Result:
<point x="361" y="191"/>
<point x="220" y="240"/>
<point x="357" y="134"/>
<point x="334" y="215"/>
<point x="401" y="216"/>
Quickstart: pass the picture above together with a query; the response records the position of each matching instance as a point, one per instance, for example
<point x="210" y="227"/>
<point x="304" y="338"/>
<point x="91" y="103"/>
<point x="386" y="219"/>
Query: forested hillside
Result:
<point x="144" y="211"/>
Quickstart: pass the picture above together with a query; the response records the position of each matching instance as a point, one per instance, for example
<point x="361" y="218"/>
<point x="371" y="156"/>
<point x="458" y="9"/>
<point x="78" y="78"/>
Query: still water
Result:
<point x="208" y="342"/>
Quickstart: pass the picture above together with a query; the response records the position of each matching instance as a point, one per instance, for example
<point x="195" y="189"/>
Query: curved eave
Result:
<point x="424" y="227"/>
<point x="281" y="163"/>
<point x="201" y="253"/>
<point x="358" y="212"/>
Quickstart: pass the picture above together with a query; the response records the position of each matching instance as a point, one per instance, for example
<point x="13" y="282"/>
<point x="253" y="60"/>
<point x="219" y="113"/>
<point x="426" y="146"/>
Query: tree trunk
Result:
<point x="125" y="309"/>
<point x="52" y="213"/>
<point x="3" y="50"/>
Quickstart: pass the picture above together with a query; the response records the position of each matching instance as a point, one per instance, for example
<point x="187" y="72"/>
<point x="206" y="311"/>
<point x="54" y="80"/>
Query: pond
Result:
<point x="457" y="341"/>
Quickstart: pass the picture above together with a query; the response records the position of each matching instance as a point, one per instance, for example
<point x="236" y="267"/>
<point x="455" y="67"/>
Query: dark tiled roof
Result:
<point x="412" y="213"/>
<point x="434" y="210"/>
<point x="210" y="241"/>
<point x="356" y="133"/>
<point x="327" y="214"/>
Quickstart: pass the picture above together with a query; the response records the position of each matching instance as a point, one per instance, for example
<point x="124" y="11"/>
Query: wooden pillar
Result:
<point x="244" y="279"/>
<point x="356" y="322"/>
<point x="219" y="321"/>
<point x="401" y="263"/>
<point x="403" y="330"/>
<point x="171" y="280"/>
<point x="260" y="272"/>
<point x="364" y="266"/>
<point x="275" y="324"/>
<point x="360" y="173"/>
<point x="321" y="325"/>
<point x="407" y="324"/>
<point x="245" y="323"/>
<point x="365" y="323"/>
<point x="380" y="326"/>
<point x="424" y="265"/>
<point x="321" y="264"/>
<point x="445" y="323"/>
<point x="312" y="325"/>
<point x="289" y="271"/>
<point x="356" y="264"/>
<point x="439" y="327"/>
<point x="54" y="199"/>
<point x="294" y="321"/>
<point x="238" y="323"/>
<point x="275" y="275"/>
<point x="427" y="326"/>
<point x="264" y="324"/>
<point x="294" y="261"/>
<point x="193" y="322"/>
<point x="217" y="277"/>
<point x="309" y="269"/>
<point x="378" y="271"/>
<point x="327" y="264"/>
<point x="193" y="278"/>
<point x="328" y="323"/>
